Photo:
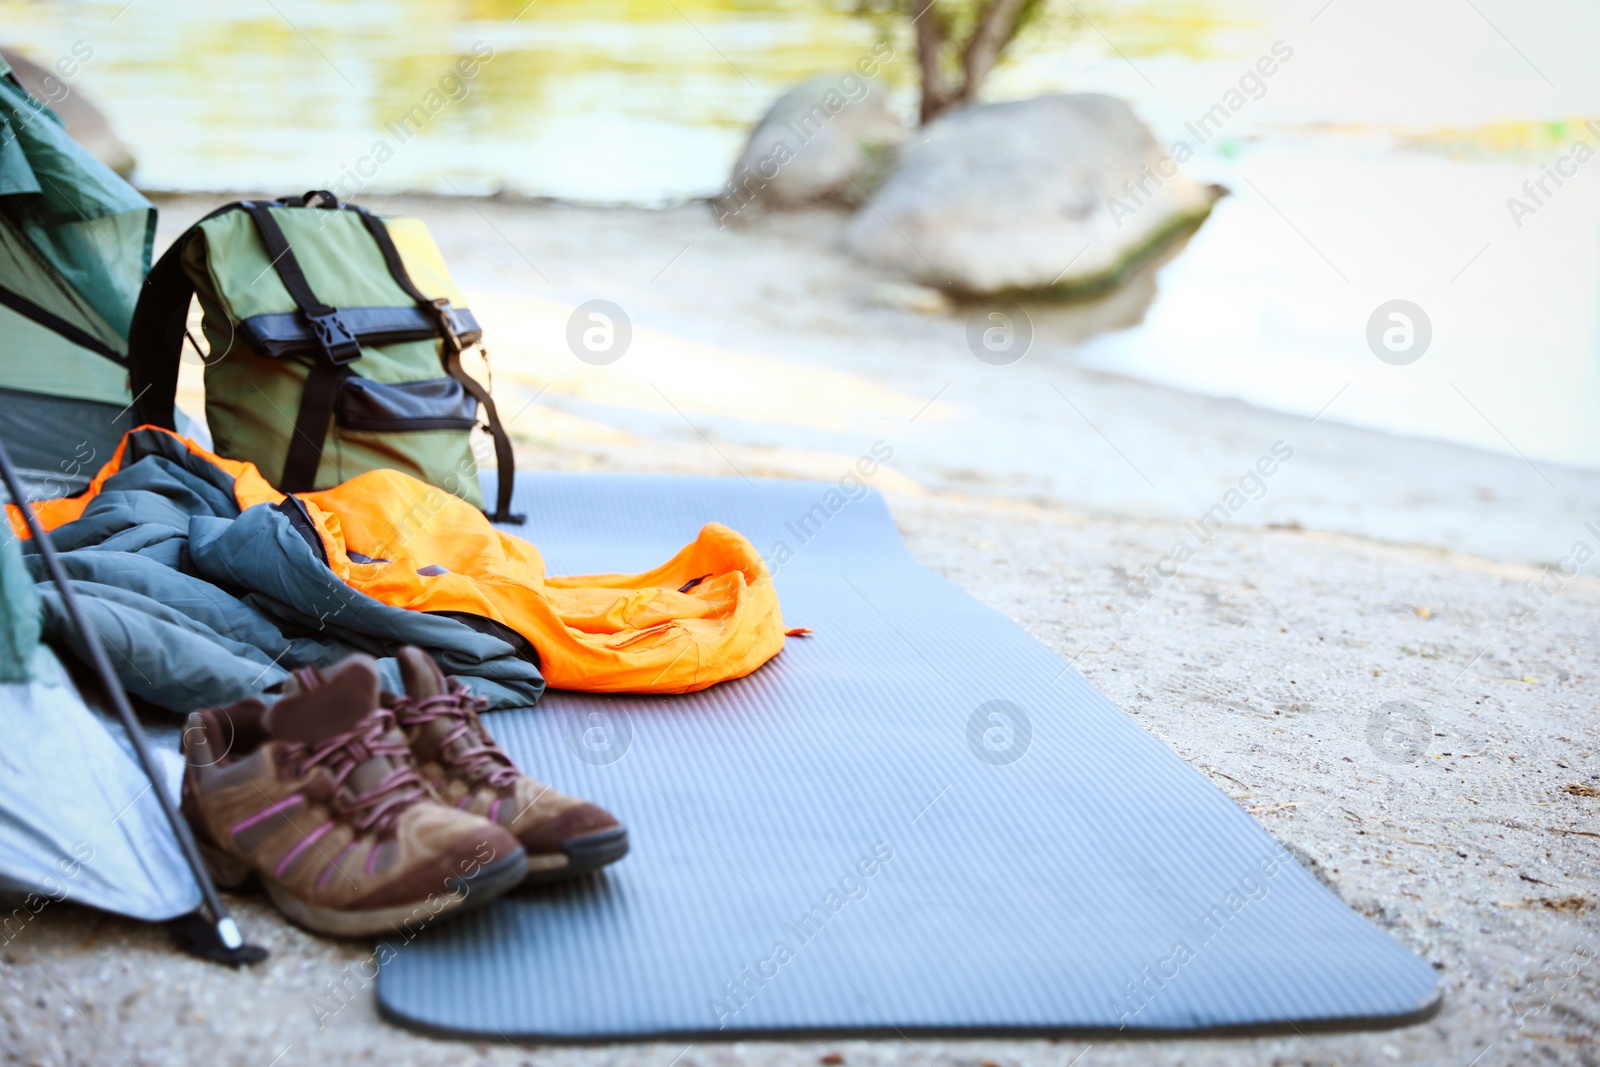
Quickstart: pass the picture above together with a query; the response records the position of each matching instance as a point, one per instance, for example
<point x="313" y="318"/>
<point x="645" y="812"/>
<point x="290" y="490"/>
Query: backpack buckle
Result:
<point x="338" y="344"/>
<point x="449" y="324"/>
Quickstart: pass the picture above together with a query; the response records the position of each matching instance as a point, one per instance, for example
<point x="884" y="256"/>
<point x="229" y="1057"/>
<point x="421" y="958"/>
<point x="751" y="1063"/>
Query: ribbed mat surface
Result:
<point x="857" y="839"/>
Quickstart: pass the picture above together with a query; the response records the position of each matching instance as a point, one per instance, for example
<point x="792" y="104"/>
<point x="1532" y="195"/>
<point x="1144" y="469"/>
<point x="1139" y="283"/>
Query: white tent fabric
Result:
<point x="78" y="820"/>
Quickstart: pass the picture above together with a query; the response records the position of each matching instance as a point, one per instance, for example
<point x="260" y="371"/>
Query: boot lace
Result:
<point x="375" y="736"/>
<point x="480" y="761"/>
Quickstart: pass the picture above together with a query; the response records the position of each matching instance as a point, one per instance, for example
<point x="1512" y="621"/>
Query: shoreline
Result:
<point x="767" y="349"/>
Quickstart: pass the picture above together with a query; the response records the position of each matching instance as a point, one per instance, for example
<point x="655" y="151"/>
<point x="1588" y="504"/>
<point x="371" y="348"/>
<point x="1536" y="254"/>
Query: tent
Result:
<point x="75" y="246"/>
<point x="87" y="803"/>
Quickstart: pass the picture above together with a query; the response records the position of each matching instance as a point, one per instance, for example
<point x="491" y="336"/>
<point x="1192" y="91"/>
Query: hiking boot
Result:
<point x="318" y="796"/>
<point x="563" y="835"/>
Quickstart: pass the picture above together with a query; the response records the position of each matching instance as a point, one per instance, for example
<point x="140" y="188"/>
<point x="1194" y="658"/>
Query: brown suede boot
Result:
<point x="319" y="797"/>
<point x="563" y="835"/>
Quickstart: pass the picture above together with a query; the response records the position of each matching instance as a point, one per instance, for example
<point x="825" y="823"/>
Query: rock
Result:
<point x="1059" y="195"/>
<point x="824" y="141"/>
<point x="57" y="89"/>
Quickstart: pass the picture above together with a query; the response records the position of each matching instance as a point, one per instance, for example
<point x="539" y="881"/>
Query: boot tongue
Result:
<point x="422" y="676"/>
<point x="424" y="679"/>
<point x="317" y="704"/>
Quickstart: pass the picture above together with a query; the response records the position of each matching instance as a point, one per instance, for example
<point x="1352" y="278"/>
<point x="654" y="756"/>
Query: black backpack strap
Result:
<point x="442" y="313"/>
<point x="155" y="336"/>
<point x="338" y="348"/>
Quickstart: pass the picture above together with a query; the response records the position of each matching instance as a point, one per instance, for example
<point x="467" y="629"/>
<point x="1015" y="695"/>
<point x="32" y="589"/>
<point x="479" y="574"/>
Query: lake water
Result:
<point x="1377" y="163"/>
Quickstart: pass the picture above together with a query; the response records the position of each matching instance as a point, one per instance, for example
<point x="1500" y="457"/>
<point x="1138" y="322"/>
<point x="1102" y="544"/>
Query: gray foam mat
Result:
<point x="919" y="820"/>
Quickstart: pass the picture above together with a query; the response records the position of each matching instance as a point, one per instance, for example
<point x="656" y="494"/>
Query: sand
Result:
<point x="1375" y="704"/>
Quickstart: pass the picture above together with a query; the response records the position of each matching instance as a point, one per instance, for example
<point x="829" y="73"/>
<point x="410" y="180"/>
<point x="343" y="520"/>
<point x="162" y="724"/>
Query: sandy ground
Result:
<point x="1474" y="841"/>
<point x="1376" y="706"/>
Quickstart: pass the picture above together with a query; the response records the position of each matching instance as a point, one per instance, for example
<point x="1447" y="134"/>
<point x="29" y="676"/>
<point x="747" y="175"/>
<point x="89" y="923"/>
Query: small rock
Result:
<point x="1059" y="195"/>
<point x="833" y="1059"/>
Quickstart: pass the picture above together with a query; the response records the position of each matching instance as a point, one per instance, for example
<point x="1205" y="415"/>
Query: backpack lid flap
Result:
<point x="339" y="258"/>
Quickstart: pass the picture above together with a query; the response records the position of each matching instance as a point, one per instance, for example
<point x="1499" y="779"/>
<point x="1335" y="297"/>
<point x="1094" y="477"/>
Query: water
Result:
<point x="1375" y="163"/>
<point x="641" y="102"/>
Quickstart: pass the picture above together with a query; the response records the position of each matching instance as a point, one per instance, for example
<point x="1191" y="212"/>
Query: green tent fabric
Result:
<point x="75" y="246"/>
<point x="19" y="615"/>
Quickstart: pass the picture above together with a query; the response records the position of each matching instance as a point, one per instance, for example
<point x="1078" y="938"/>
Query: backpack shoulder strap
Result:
<point x="155" y="337"/>
<point x="444" y="316"/>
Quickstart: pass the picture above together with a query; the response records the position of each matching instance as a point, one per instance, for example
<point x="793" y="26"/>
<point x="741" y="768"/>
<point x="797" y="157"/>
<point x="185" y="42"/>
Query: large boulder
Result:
<point x="57" y="90"/>
<point x="825" y="141"/>
<point x="1059" y="195"/>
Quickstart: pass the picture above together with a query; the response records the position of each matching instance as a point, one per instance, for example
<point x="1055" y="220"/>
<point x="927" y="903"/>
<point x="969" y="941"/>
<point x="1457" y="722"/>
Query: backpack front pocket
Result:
<point x="431" y="404"/>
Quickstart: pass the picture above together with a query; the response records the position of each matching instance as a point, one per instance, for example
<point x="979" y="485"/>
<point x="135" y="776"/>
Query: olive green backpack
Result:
<point x="335" y="340"/>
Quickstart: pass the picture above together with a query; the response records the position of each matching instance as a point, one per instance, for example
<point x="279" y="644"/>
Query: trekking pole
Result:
<point x="219" y="940"/>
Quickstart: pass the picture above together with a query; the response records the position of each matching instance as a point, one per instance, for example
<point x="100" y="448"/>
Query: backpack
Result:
<point x="335" y="342"/>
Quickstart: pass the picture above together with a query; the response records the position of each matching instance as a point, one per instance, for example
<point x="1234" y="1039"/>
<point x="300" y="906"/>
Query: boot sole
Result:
<point x="582" y="855"/>
<point x="405" y="920"/>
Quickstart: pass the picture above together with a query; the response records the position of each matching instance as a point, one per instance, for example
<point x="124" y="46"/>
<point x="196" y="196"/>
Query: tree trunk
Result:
<point x="996" y="26"/>
<point x="937" y="95"/>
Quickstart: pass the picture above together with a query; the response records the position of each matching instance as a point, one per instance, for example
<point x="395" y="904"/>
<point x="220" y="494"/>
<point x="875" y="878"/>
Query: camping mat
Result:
<point x="918" y="820"/>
